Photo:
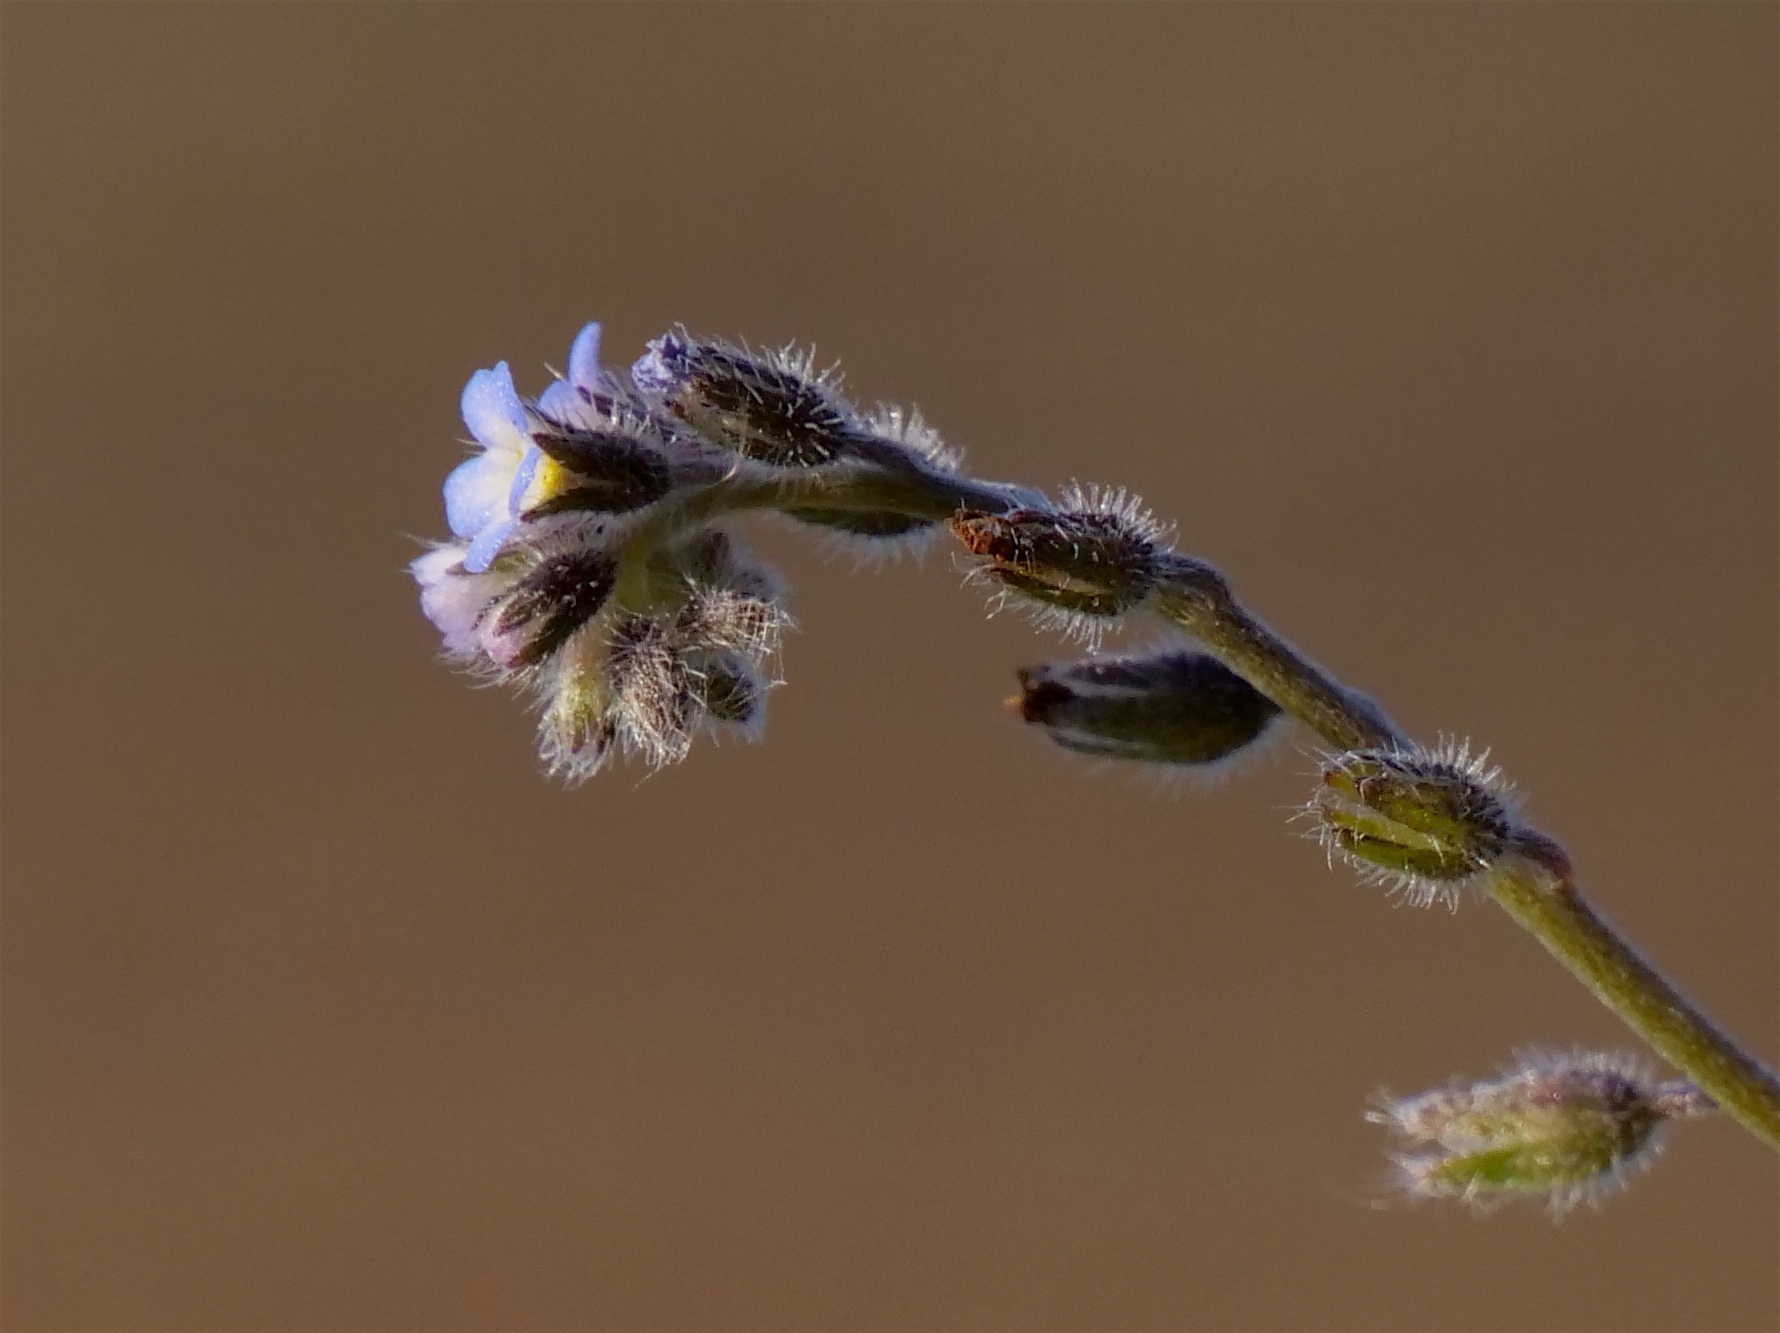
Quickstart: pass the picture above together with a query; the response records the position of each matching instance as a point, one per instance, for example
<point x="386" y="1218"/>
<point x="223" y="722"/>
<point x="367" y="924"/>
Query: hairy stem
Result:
<point x="1534" y="886"/>
<point x="919" y="492"/>
<point x="1198" y="599"/>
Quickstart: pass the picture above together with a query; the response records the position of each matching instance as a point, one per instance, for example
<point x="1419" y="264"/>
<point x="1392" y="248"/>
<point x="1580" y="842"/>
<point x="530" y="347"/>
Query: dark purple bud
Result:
<point x="732" y="693"/>
<point x="545" y="608"/>
<point x="1174" y="707"/>
<point x="611" y="471"/>
<point x="765" y="406"/>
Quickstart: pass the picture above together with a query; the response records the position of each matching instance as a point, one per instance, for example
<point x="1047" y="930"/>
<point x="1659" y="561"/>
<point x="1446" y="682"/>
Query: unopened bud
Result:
<point x="1096" y="556"/>
<point x="545" y="608"/>
<point x="1175" y="707"/>
<point x="1422" y="822"/>
<point x="654" y="700"/>
<point x="716" y="617"/>
<point x="607" y="471"/>
<point x="770" y="407"/>
<point x="576" y="731"/>
<point x="732" y="693"/>
<point x="712" y="561"/>
<point x="1572" y="1128"/>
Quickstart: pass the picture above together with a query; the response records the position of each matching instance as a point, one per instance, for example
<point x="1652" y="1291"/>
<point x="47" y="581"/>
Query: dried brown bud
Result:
<point x="1096" y="556"/>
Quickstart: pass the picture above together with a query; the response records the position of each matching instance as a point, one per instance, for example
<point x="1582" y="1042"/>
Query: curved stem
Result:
<point x="1532" y="883"/>
<point x="918" y="491"/>
<point x="1198" y="599"/>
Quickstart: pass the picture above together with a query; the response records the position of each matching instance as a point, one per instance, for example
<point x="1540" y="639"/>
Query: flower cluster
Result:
<point x="589" y="564"/>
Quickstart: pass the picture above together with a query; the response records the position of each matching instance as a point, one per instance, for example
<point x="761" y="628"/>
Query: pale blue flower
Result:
<point x="478" y="493"/>
<point x="455" y="598"/>
<point x="487" y="495"/>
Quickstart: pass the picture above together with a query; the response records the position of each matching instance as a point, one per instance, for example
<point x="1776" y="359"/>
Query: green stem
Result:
<point x="919" y="492"/>
<point x="1533" y="883"/>
<point x="1535" y="887"/>
<point x="1198" y="599"/>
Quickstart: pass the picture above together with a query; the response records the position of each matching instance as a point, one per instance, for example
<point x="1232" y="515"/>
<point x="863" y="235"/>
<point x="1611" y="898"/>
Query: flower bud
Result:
<point x="716" y="617"/>
<point x="1097" y="556"/>
<point x="1572" y="1127"/>
<point x="607" y="470"/>
<point x="1423" y="822"/>
<point x="1173" y="707"/>
<point x="712" y="560"/>
<point x="732" y="693"/>
<point x="700" y="663"/>
<point x="576" y="730"/>
<point x="456" y="600"/>
<point x="654" y="699"/>
<point x="548" y="604"/>
<point x="769" y="407"/>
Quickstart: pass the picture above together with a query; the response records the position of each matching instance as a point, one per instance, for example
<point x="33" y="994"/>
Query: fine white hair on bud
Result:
<point x="654" y="702"/>
<point x="731" y="690"/>
<point x="644" y="685"/>
<point x="1570" y="1127"/>
<point x="1173" y="706"/>
<point x="602" y="470"/>
<point x="905" y="426"/>
<point x="727" y="619"/>
<point x="547" y="605"/>
<point x="713" y="561"/>
<point x="1424" y="823"/>
<point x="771" y="407"/>
<point x="695" y="659"/>
<point x="1119" y="506"/>
<point x="1077" y="566"/>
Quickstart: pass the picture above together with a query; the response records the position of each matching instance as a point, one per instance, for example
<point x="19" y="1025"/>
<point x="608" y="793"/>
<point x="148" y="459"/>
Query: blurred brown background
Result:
<point x="1449" y="330"/>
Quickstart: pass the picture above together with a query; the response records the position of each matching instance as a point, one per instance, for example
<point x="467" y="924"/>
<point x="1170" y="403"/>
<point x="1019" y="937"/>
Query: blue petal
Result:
<point x="561" y="402"/>
<point x="522" y="479"/>
<point x="492" y="410"/>
<point x="487" y="546"/>
<point x="584" y="358"/>
<point x="476" y="493"/>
